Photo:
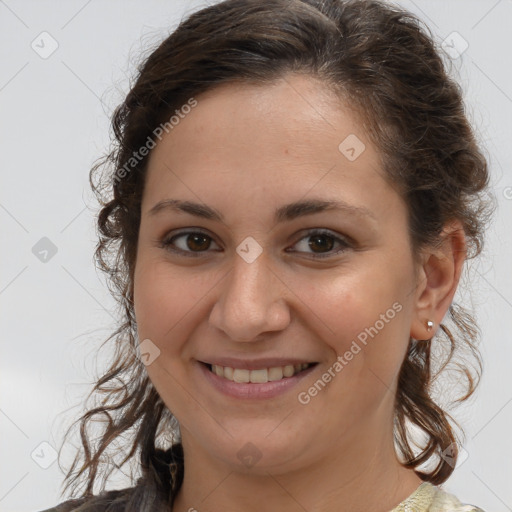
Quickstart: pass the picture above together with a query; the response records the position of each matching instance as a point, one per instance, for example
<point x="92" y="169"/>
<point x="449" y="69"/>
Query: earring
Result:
<point x="430" y="325"/>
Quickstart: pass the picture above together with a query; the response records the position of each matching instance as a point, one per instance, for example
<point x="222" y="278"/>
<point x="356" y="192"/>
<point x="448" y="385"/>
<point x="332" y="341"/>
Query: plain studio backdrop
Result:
<point x="64" y="67"/>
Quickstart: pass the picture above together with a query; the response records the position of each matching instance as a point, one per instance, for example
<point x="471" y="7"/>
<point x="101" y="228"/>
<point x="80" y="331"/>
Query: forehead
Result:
<point x="284" y="138"/>
<point x="290" y="111"/>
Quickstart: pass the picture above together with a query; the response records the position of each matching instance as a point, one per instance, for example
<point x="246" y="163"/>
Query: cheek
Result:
<point x="163" y="296"/>
<point x="170" y="302"/>
<point x="363" y="314"/>
<point x="166" y="300"/>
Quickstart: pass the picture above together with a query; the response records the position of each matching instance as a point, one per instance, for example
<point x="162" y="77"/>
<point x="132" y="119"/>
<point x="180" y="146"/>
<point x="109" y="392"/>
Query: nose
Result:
<point x="251" y="302"/>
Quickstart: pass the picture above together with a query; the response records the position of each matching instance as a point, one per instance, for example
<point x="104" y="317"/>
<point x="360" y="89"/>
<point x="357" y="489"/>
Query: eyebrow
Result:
<point x="287" y="212"/>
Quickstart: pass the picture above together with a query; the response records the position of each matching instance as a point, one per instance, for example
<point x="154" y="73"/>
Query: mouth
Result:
<point x="258" y="376"/>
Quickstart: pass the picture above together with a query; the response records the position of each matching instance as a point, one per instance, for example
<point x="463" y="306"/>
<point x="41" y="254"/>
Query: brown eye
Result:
<point x="189" y="243"/>
<point x="198" y="242"/>
<point x="322" y="244"/>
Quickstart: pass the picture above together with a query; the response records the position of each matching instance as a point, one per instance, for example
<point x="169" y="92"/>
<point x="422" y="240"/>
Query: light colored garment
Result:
<point x="431" y="498"/>
<point x="426" y="498"/>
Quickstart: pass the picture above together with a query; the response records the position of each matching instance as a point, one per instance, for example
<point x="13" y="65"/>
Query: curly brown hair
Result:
<point x="385" y="60"/>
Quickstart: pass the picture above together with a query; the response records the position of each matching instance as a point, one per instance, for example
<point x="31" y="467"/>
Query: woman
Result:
<point x="296" y="190"/>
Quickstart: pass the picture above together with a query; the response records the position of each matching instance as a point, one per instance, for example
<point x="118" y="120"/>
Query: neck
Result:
<point x="361" y="474"/>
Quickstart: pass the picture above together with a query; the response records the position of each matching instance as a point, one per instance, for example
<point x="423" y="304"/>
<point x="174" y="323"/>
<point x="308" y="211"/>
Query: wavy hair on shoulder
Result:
<point x="386" y="61"/>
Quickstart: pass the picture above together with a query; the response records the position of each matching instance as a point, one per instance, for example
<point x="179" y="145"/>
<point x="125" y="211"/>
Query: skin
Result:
<point x="246" y="150"/>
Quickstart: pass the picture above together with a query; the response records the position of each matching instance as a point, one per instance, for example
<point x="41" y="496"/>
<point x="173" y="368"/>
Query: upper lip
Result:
<point x="255" y="364"/>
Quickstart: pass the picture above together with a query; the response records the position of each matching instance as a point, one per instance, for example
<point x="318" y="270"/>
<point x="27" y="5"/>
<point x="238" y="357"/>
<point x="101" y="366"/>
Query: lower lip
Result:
<point x="250" y="390"/>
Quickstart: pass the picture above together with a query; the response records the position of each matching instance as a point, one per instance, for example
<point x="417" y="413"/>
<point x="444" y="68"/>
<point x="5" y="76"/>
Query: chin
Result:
<point x="261" y="449"/>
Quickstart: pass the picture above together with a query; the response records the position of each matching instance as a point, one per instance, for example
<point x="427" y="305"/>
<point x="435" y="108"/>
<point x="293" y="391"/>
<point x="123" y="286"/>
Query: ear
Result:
<point x="437" y="280"/>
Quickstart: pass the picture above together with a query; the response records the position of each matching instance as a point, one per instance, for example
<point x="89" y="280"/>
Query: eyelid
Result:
<point x="345" y="241"/>
<point x="166" y="244"/>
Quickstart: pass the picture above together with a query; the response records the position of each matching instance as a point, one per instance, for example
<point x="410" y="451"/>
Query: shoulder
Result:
<point x="107" y="501"/>
<point x="446" y="501"/>
<point x="66" y="506"/>
<point x="431" y="498"/>
<point x="118" y="499"/>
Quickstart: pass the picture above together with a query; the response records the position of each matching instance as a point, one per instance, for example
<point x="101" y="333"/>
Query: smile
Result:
<point x="258" y="376"/>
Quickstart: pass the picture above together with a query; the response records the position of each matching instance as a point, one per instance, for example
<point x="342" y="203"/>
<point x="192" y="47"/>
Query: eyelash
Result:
<point x="166" y="243"/>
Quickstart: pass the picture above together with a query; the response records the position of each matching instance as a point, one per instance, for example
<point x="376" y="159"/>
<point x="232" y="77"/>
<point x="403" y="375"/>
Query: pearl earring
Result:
<point x="430" y="325"/>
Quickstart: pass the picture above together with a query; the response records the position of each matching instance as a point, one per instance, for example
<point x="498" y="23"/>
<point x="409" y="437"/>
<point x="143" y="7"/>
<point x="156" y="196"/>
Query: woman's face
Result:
<point x="258" y="277"/>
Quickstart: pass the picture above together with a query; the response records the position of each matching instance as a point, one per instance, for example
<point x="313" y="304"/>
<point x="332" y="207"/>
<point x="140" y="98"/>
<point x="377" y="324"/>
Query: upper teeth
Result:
<point x="258" y="376"/>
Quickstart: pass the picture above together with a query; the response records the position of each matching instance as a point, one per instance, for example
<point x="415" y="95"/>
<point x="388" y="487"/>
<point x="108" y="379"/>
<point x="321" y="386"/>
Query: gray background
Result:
<point x="55" y="314"/>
